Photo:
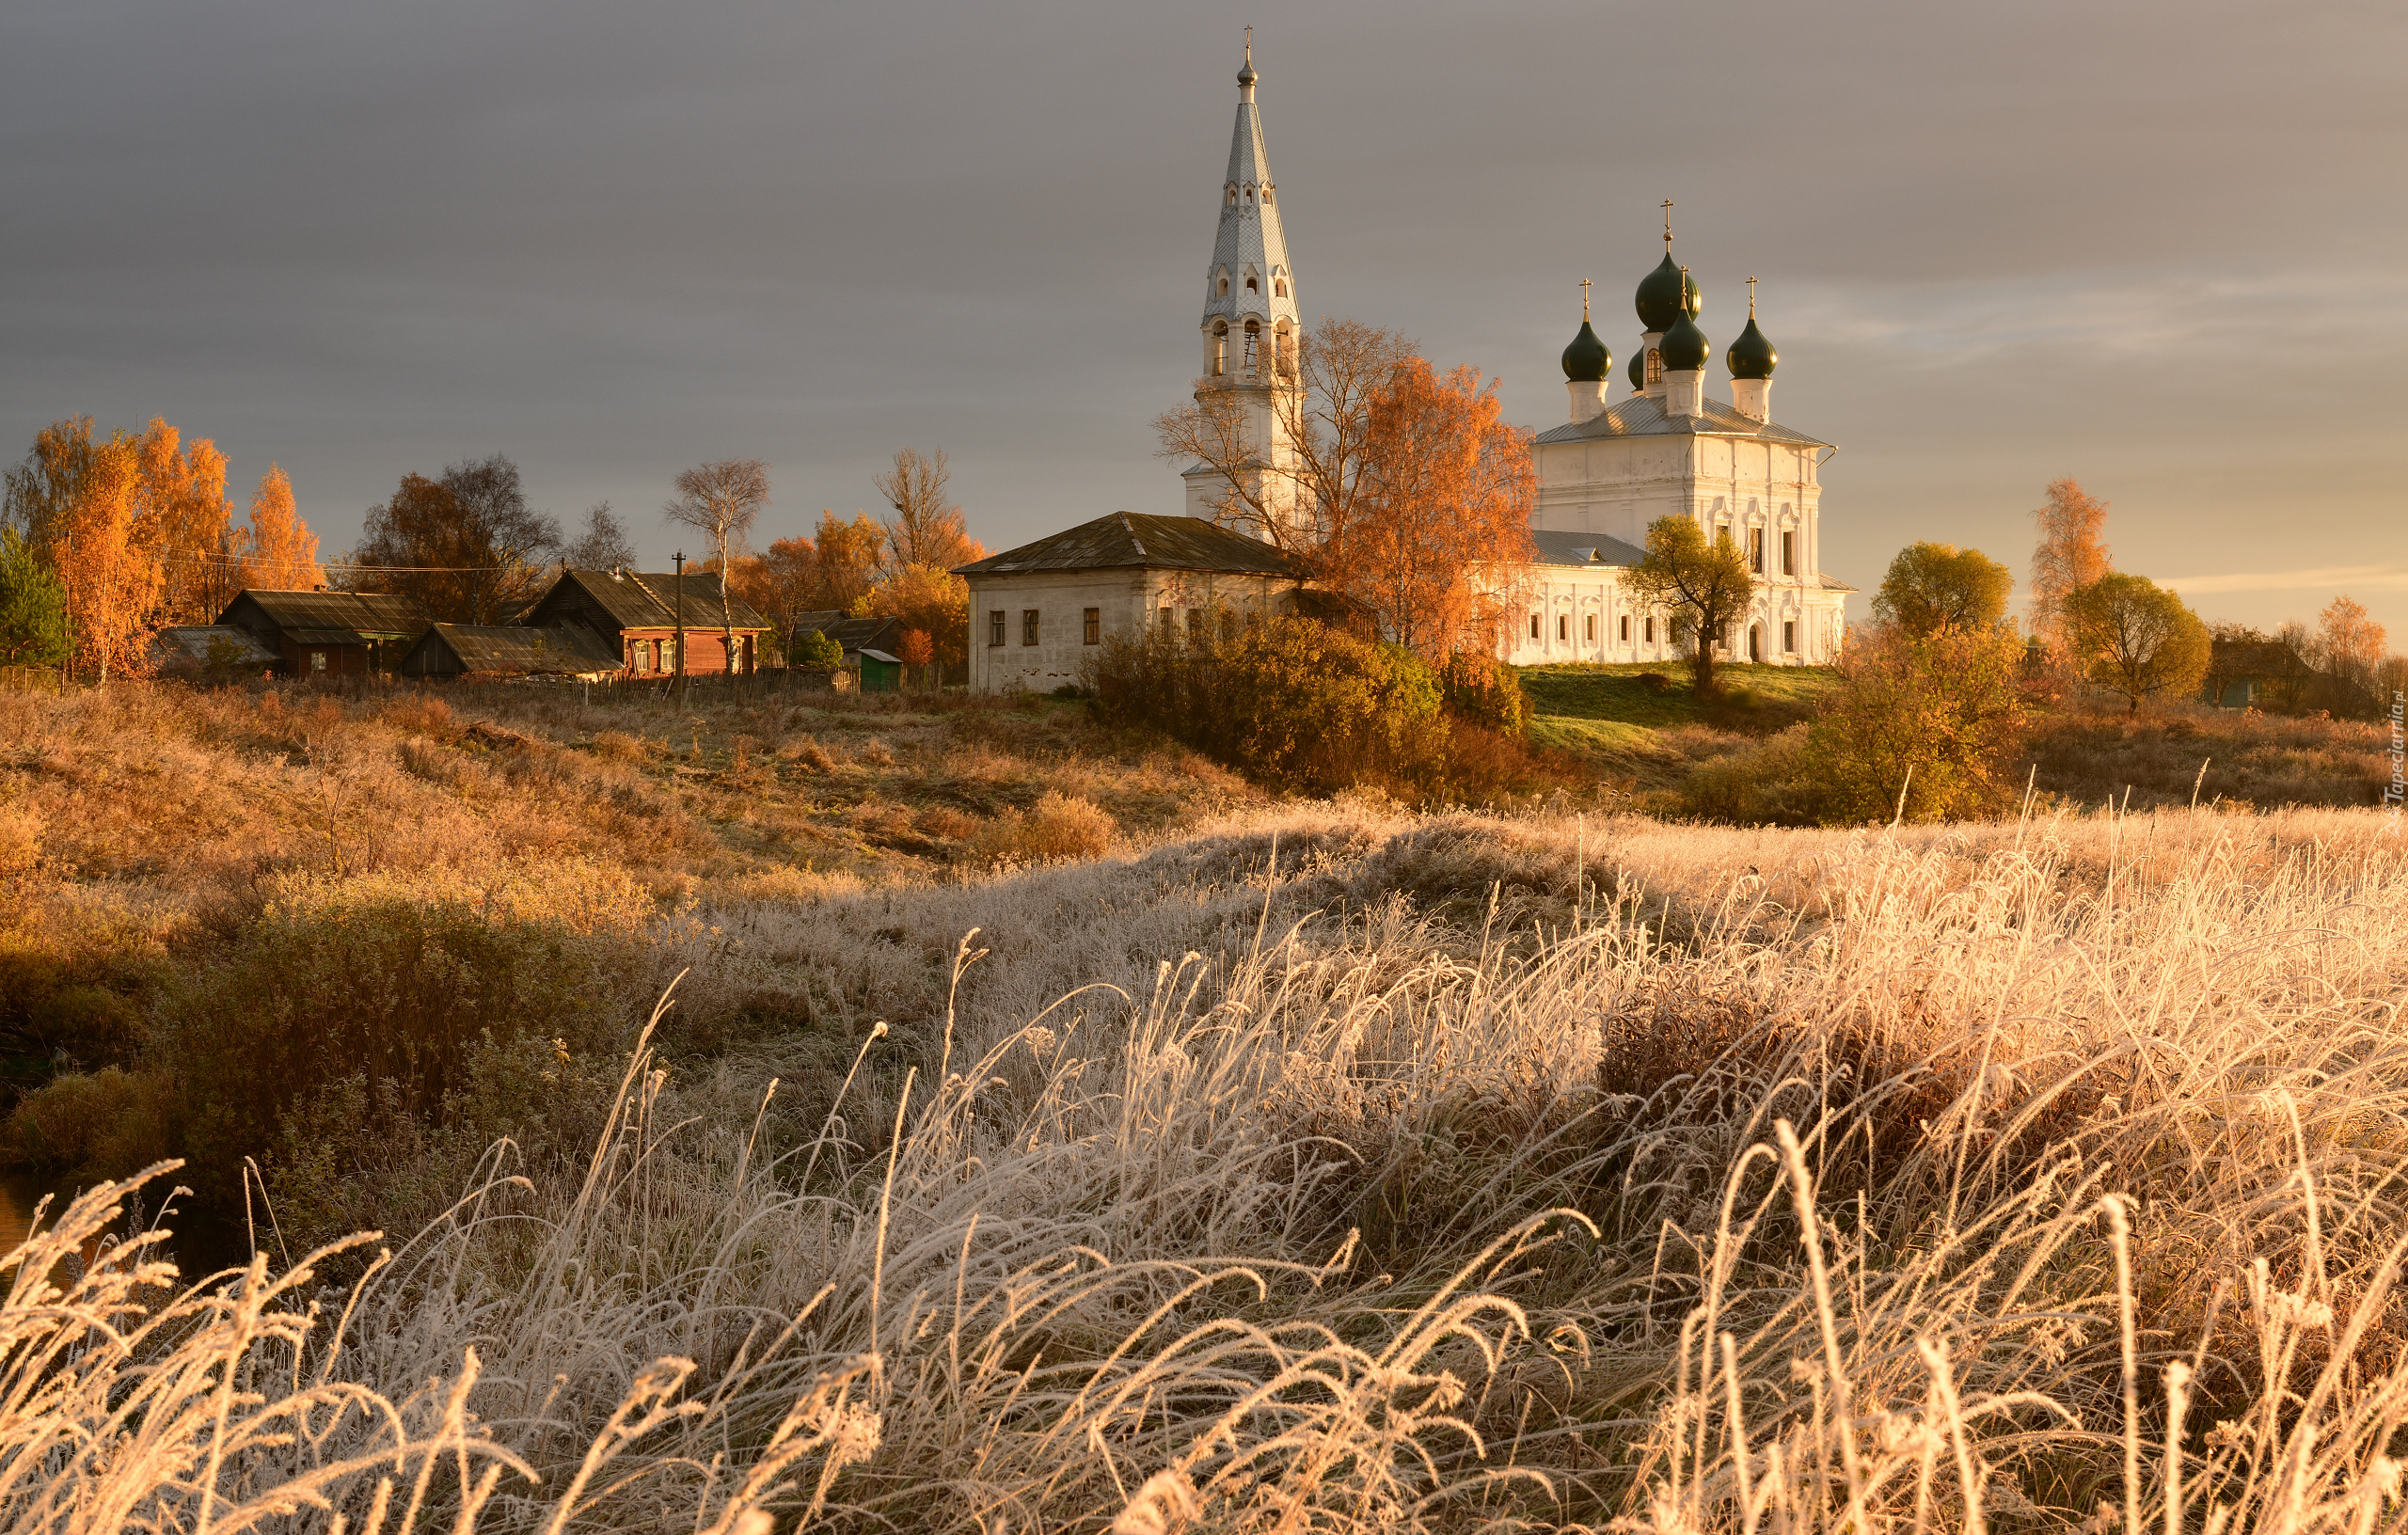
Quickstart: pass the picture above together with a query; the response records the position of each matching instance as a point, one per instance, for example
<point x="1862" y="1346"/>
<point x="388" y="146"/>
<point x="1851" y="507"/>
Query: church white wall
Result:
<point x="1125" y="601"/>
<point x="1562" y="600"/>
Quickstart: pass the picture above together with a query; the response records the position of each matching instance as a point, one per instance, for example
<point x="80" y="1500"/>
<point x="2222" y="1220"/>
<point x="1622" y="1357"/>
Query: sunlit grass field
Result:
<point x="1242" y="1166"/>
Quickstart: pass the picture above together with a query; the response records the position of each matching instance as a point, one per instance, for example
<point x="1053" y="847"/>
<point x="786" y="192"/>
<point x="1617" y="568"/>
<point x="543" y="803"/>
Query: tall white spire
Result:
<point x="1251" y="328"/>
<point x="1249" y="277"/>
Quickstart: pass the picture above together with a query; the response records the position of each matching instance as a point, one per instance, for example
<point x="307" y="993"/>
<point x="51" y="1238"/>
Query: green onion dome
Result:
<point x="1752" y="355"/>
<point x="1587" y="359"/>
<point x="1684" y="347"/>
<point x="1638" y="371"/>
<point x="1665" y="293"/>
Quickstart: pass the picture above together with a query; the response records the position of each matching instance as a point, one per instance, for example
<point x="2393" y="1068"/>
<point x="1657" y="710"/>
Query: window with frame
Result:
<point x="995" y="626"/>
<point x="1534" y="626"/>
<point x="1789" y="551"/>
<point x="1195" y="625"/>
<point x="1756" y="550"/>
<point x="1563" y="627"/>
<point x="1590" y="628"/>
<point x="1625" y="628"/>
<point x="1091" y="627"/>
<point x="1789" y="637"/>
<point x="1028" y="617"/>
<point x="1651" y="629"/>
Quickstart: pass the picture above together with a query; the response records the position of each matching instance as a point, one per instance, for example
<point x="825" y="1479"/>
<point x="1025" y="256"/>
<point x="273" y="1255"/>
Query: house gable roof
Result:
<point x="1137" y="540"/>
<point x="559" y="649"/>
<point x="644" y="600"/>
<point x="333" y="618"/>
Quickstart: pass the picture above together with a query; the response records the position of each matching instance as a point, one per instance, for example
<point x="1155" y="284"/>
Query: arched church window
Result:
<point x="1223" y="290"/>
<point x="1249" y="196"/>
<point x="1220" y="348"/>
<point x="1253" y="343"/>
<point x="1279" y="286"/>
<point x="1266" y="197"/>
<point x="1233" y="194"/>
<point x="1252" y="284"/>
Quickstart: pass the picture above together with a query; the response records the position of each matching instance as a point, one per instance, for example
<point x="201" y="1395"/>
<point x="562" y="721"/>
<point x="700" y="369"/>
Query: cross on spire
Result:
<point x="1751" y="298"/>
<point x="1667" y="224"/>
<point x="1585" y="285"/>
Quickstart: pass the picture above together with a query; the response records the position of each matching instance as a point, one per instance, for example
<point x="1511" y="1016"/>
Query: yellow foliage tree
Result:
<point x="2071" y="554"/>
<point x="112" y="582"/>
<point x="180" y="520"/>
<point x="279" y="552"/>
<point x="925" y="599"/>
<point x="2350" y="642"/>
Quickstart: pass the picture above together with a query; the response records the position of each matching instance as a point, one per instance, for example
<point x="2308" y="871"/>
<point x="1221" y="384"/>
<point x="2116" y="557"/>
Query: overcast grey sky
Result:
<point x="2153" y="246"/>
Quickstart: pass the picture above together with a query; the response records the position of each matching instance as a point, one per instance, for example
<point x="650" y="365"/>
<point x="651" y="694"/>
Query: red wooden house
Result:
<point x="637" y="615"/>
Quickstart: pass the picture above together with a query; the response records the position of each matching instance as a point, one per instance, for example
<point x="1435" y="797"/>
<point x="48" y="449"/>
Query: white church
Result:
<point x="1613" y="468"/>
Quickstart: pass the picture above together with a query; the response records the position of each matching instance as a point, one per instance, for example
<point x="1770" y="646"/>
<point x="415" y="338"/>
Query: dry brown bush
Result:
<point x="1057" y="828"/>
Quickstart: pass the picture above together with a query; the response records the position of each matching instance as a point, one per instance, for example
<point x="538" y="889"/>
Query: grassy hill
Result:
<point x="1644" y="728"/>
<point x="1286" y="1166"/>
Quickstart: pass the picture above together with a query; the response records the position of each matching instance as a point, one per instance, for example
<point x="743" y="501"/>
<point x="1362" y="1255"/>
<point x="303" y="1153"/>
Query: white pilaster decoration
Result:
<point x="1251" y="327"/>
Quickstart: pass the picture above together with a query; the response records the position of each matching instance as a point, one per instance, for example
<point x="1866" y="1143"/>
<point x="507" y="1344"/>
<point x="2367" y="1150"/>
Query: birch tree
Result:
<point x="722" y="501"/>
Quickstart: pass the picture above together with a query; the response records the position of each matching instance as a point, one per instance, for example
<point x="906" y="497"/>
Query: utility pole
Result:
<point x="681" y="629"/>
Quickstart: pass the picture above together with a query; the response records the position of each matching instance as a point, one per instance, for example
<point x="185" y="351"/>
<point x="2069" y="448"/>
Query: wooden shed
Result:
<point x="880" y="673"/>
<point x="510" y="650"/>
<point x="324" y="634"/>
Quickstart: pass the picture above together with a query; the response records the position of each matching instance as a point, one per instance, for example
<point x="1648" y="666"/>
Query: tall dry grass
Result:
<point x="1440" y="1173"/>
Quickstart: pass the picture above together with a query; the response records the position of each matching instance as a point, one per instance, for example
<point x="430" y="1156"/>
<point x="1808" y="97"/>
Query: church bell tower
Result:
<point x="1251" y="328"/>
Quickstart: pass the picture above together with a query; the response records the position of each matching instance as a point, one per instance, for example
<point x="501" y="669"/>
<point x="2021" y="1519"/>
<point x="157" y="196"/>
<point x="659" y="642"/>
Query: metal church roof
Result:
<point x="1561" y="549"/>
<point x="1127" y="539"/>
<point x="1639" y="416"/>
<point x="1251" y="235"/>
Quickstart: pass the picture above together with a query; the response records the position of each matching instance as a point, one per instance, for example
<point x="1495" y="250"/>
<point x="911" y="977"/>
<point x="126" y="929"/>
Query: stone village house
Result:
<point x="1038" y="612"/>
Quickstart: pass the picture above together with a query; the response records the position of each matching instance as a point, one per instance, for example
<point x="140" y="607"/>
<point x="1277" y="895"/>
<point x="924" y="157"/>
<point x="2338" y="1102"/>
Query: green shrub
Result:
<point x="1485" y="692"/>
<point x="817" y="652"/>
<point x="1919" y="727"/>
<point x="1291" y="702"/>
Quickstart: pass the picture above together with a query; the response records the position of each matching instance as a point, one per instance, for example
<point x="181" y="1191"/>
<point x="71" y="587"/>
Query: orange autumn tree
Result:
<point x="278" y="551"/>
<point x="112" y="582"/>
<point x="2349" y="641"/>
<point x="2072" y="554"/>
<point x="180" y="520"/>
<point x="1439" y="547"/>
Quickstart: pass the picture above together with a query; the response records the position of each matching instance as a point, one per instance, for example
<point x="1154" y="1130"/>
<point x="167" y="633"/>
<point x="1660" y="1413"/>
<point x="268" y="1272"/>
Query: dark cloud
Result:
<point x="2151" y="246"/>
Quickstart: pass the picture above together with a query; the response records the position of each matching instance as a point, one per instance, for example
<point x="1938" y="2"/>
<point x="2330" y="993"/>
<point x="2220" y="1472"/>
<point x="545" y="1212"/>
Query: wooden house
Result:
<point x="323" y="634"/>
<point x="209" y="652"/>
<point x="511" y="650"/>
<point x="636" y="614"/>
